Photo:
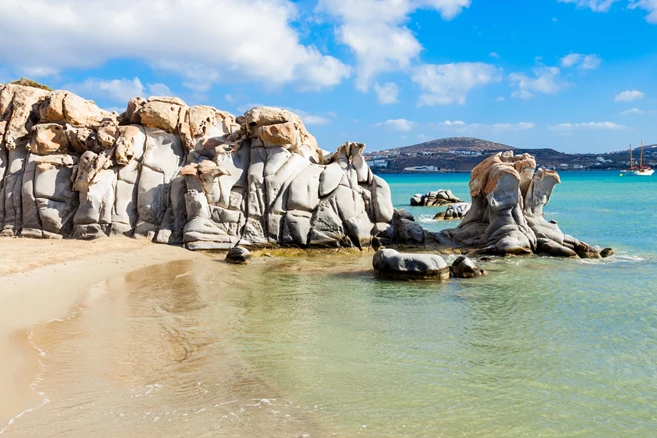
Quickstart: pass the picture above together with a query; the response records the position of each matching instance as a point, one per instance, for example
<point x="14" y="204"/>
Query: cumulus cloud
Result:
<point x="494" y="55"/>
<point x="446" y="84"/>
<point x="484" y="128"/>
<point x="594" y="5"/>
<point x="589" y="125"/>
<point x="119" y="90"/>
<point x="544" y="80"/>
<point x="211" y="42"/>
<point x="584" y="62"/>
<point x="605" y="5"/>
<point x="386" y="93"/>
<point x="376" y="33"/>
<point x="633" y="111"/>
<point x="648" y="5"/>
<point x="629" y="95"/>
<point x="398" y="125"/>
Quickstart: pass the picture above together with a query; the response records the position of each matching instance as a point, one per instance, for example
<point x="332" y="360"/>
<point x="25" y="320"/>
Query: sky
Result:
<point x="573" y="75"/>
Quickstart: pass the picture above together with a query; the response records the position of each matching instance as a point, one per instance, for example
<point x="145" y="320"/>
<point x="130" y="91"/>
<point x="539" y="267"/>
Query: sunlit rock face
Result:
<point x="176" y="174"/>
<point x="506" y="214"/>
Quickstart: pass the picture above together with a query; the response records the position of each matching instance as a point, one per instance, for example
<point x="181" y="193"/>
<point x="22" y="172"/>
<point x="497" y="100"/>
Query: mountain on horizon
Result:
<point x="452" y="143"/>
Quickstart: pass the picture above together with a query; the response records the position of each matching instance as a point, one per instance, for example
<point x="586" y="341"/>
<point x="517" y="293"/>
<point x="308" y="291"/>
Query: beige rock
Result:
<point x="81" y="112"/>
<point x="48" y="138"/>
<point x="160" y="115"/>
<point x="52" y="108"/>
<point x="24" y="102"/>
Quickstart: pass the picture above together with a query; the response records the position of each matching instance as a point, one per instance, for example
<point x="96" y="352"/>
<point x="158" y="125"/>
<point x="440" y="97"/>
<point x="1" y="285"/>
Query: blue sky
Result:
<point x="573" y="75"/>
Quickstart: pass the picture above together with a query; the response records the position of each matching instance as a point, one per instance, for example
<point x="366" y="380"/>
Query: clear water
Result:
<point x="318" y="346"/>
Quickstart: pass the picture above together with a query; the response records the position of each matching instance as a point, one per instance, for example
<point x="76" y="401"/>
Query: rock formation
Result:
<point x="506" y="216"/>
<point x="176" y="174"/>
<point x="392" y="264"/>
<point x="432" y="199"/>
<point x="453" y="212"/>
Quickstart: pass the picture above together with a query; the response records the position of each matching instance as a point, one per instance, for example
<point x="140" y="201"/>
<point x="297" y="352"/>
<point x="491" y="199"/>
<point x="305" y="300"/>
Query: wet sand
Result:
<point x="43" y="280"/>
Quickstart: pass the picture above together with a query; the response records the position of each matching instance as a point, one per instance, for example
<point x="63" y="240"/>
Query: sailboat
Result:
<point x="641" y="170"/>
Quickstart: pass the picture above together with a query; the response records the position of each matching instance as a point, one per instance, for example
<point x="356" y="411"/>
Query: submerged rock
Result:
<point x="393" y="264"/>
<point x="453" y="212"/>
<point x="432" y="199"/>
<point x="238" y="255"/>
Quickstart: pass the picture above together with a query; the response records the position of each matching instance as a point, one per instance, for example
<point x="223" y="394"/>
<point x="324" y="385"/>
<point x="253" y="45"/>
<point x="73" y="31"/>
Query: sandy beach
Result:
<point x="42" y="280"/>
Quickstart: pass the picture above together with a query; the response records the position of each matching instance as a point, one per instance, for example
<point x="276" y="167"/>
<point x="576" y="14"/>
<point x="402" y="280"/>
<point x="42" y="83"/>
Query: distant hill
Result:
<point x="454" y="143"/>
<point x="463" y="153"/>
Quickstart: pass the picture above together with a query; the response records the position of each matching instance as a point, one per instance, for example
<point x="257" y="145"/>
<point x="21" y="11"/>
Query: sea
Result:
<point x="314" y="345"/>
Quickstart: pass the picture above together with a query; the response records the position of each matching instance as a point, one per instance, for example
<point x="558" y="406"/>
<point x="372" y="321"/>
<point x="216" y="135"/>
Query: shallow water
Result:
<point x="318" y="346"/>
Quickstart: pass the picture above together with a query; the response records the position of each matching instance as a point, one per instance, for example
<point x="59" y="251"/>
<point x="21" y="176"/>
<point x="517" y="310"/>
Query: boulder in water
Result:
<point x="432" y="199"/>
<point x="453" y="212"/>
<point x="463" y="267"/>
<point x="401" y="266"/>
<point x="238" y="256"/>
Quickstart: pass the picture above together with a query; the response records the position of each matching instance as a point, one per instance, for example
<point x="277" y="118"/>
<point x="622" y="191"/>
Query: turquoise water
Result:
<point x="539" y="347"/>
<point x="318" y="346"/>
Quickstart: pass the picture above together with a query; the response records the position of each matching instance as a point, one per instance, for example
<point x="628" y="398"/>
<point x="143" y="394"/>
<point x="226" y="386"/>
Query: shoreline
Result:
<point x="32" y="293"/>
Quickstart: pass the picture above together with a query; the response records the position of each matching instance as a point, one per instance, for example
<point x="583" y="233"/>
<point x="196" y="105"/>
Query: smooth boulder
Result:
<point x="393" y="264"/>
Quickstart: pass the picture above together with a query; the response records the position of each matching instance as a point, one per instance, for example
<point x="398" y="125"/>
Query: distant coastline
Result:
<point x="462" y="154"/>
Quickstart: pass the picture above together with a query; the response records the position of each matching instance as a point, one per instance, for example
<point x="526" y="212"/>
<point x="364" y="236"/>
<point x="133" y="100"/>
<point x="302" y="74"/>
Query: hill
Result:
<point x="460" y="154"/>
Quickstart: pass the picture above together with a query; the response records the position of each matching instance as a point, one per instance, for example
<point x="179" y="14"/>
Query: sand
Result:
<point x="42" y="280"/>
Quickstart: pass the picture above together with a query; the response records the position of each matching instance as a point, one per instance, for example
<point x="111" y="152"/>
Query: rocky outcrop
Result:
<point x="392" y="264"/>
<point x="453" y="212"/>
<point x="432" y="199"/>
<point x="506" y="216"/>
<point x="180" y="174"/>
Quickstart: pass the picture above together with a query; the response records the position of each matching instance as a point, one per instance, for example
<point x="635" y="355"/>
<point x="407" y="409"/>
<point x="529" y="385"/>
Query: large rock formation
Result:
<point x="506" y="216"/>
<point x="177" y="174"/>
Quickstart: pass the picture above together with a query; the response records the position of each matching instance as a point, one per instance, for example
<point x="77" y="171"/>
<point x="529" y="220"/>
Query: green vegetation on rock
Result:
<point x="30" y="83"/>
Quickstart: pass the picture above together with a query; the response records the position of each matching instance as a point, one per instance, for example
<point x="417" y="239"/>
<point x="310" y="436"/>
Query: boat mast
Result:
<point x="631" y="163"/>
<point x="641" y="156"/>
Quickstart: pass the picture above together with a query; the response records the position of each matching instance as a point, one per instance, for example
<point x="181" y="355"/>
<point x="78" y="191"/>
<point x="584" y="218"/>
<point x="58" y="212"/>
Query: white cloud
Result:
<point x="423" y="137"/>
<point x="448" y="84"/>
<point x="629" y="95"/>
<point x="605" y="5"/>
<point x="545" y="80"/>
<point x="398" y="125"/>
<point x="159" y="90"/>
<point x="310" y="119"/>
<point x="594" y="5"/>
<point x="386" y="93"/>
<point x="120" y="90"/>
<point x="633" y="111"/>
<point x="648" y="5"/>
<point x="39" y="71"/>
<point x="458" y="126"/>
<point x="494" y="55"/>
<point x="589" y="125"/>
<point x="500" y="99"/>
<point x="83" y="34"/>
<point x="584" y="62"/>
<point x="375" y="31"/>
